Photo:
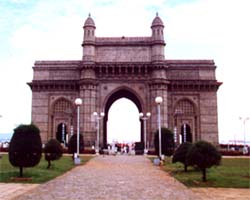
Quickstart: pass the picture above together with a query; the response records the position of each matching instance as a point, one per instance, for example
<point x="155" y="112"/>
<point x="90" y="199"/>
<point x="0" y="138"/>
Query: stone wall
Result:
<point x="124" y="54"/>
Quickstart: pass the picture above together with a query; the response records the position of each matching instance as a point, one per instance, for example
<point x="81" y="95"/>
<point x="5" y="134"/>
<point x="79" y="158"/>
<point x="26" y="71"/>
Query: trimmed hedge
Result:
<point x="25" y="148"/>
<point x="180" y="155"/>
<point x="203" y="155"/>
<point x="167" y="141"/>
<point x="53" y="151"/>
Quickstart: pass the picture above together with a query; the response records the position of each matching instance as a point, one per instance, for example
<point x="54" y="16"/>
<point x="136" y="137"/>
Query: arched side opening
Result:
<point x="185" y="120"/>
<point x="123" y="93"/>
<point x="61" y="119"/>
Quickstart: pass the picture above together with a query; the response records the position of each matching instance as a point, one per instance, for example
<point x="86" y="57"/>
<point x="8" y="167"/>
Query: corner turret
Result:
<point x="157" y="37"/>
<point x="89" y="39"/>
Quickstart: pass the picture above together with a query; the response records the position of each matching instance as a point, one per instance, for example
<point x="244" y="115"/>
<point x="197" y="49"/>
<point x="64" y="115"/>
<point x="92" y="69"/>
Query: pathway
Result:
<point x="112" y="177"/>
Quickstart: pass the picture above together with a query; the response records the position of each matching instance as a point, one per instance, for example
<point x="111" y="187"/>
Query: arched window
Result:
<point x="185" y="107"/>
<point x="61" y="106"/>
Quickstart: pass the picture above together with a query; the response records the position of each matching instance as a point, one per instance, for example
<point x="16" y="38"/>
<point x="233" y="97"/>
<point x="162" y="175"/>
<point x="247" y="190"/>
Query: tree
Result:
<point x="203" y="155"/>
<point x="25" y="148"/>
<point x="72" y="146"/>
<point x="180" y="155"/>
<point x="53" y="151"/>
<point x="167" y="141"/>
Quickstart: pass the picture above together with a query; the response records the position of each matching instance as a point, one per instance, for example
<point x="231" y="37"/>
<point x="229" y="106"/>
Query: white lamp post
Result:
<point x="159" y="100"/>
<point x="98" y="117"/>
<point x="244" y="126"/>
<point x="145" y="118"/>
<point x="78" y="103"/>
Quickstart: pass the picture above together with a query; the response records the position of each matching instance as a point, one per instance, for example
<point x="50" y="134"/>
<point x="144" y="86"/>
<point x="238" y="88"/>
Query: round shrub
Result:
<point x="203" y="155"/>
<point x="167" y="142"/>
<point x="180" y="154"/>
<point x="25" y="148"/>
<point x="72" y="145"/>
<point x="53" y="151"/>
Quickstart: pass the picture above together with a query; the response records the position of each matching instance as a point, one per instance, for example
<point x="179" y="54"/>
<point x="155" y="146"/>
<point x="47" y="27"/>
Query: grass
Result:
<point x="232" y="173"/>
<point x="39" y="173"/>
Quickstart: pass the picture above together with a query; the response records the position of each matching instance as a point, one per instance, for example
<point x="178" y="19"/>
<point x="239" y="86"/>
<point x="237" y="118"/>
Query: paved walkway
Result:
<point x="112" y="177"/>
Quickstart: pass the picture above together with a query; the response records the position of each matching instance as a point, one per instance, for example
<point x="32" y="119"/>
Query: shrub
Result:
<point x="167" y="141"/>
<point x="25" y="148"/>
<point x="53" y="151"/>
<point x="72" y="145"/>
<point x="203" y="155"/>
<point x="180" y="154"/>
<point x="139" y="148"/>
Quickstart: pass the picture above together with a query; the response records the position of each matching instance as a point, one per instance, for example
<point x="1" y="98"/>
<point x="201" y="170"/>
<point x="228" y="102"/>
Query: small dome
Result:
<point x="89" y="22"/>
<point x="157" y="21"/>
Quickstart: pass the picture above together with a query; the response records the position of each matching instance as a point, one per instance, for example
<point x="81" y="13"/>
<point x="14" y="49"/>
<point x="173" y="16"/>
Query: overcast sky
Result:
<point x="194" y="29"/>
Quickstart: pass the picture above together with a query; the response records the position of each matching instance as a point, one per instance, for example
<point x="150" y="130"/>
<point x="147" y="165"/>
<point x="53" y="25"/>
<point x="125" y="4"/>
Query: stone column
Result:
<point x="88" y="93"/>
<point x="158" y="87"/>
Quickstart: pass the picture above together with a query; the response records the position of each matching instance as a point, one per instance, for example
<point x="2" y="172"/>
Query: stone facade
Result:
<point x="130" y="67"/>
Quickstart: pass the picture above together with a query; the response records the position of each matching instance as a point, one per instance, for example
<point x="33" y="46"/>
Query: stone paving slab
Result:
<point x="223" y="193"/>
<point x="112" y="178"/>
<point x="9" y="191"/>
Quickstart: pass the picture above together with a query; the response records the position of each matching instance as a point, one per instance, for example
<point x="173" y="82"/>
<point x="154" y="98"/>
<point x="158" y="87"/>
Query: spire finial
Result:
<point x="89" y="15"/>
<point x="156" y="14"/>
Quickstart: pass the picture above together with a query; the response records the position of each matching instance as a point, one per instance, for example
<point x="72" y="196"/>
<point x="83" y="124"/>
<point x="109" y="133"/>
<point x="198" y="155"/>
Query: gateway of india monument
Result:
<point x="125" y="67"/>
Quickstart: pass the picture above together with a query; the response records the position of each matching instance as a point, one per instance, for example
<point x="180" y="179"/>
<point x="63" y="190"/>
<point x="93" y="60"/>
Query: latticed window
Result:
<point x="62" y="105"/>
<point x="185" y="107"/>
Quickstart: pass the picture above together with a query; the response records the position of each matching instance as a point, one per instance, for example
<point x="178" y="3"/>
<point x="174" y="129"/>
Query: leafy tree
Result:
<point x="203" y="155"/>
<point x="167" y="141"/>
<point x="72" y="146"/>
<point x="180" y="154"/>
<point x="25" y="148"/>
<point x="53" y="151"/>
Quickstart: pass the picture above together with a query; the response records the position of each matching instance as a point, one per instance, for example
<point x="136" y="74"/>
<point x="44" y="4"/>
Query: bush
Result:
<point x="25" y="148"/>
<point x="203" y="155"/>
<point x="72" y="146"/>
<point x="167" y="142"/>
<point x="139" y="148"/>
<point x="180" y="154"/>
<point x="53" y="151"/>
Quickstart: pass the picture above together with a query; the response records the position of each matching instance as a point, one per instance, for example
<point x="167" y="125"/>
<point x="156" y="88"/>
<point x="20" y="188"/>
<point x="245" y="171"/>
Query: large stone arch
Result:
<point x="121" y="92"/>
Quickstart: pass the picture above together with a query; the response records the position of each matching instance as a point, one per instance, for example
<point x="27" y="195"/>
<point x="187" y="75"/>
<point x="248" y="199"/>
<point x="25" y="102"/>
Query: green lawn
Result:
<point x="39" y="173"/>
<point x="232" y="173"/>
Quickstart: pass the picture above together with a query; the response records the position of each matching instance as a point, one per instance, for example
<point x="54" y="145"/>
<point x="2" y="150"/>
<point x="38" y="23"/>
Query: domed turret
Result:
<point x="89" y="39"/>
<point x="157" y="37"/>
<point x="157" y="22"/>
<point x="157" y="28"/>
<point x="89" y="30"/>
<point x="89" y="22"/>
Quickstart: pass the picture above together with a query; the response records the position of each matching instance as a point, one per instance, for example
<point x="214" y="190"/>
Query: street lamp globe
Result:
<point x="102" y="114"/>
<point x="140" y="114"/>
<point x="95" y="113"/>
<point x="158" y="100"/>
<point x="78" y="101"/>
<point x="148" y="114"/>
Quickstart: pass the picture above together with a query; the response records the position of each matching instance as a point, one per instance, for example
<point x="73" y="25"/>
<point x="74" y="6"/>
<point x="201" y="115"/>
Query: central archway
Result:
<point x="121" y="93"/>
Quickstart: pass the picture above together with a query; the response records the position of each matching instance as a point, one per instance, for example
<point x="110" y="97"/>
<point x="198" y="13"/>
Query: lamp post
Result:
<point x="244" y="126"/>
<point x="98" y="117"/>
<point x="145" y="118"/>
<point x="159" y="100"/>
<point x="78" y="103"/>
